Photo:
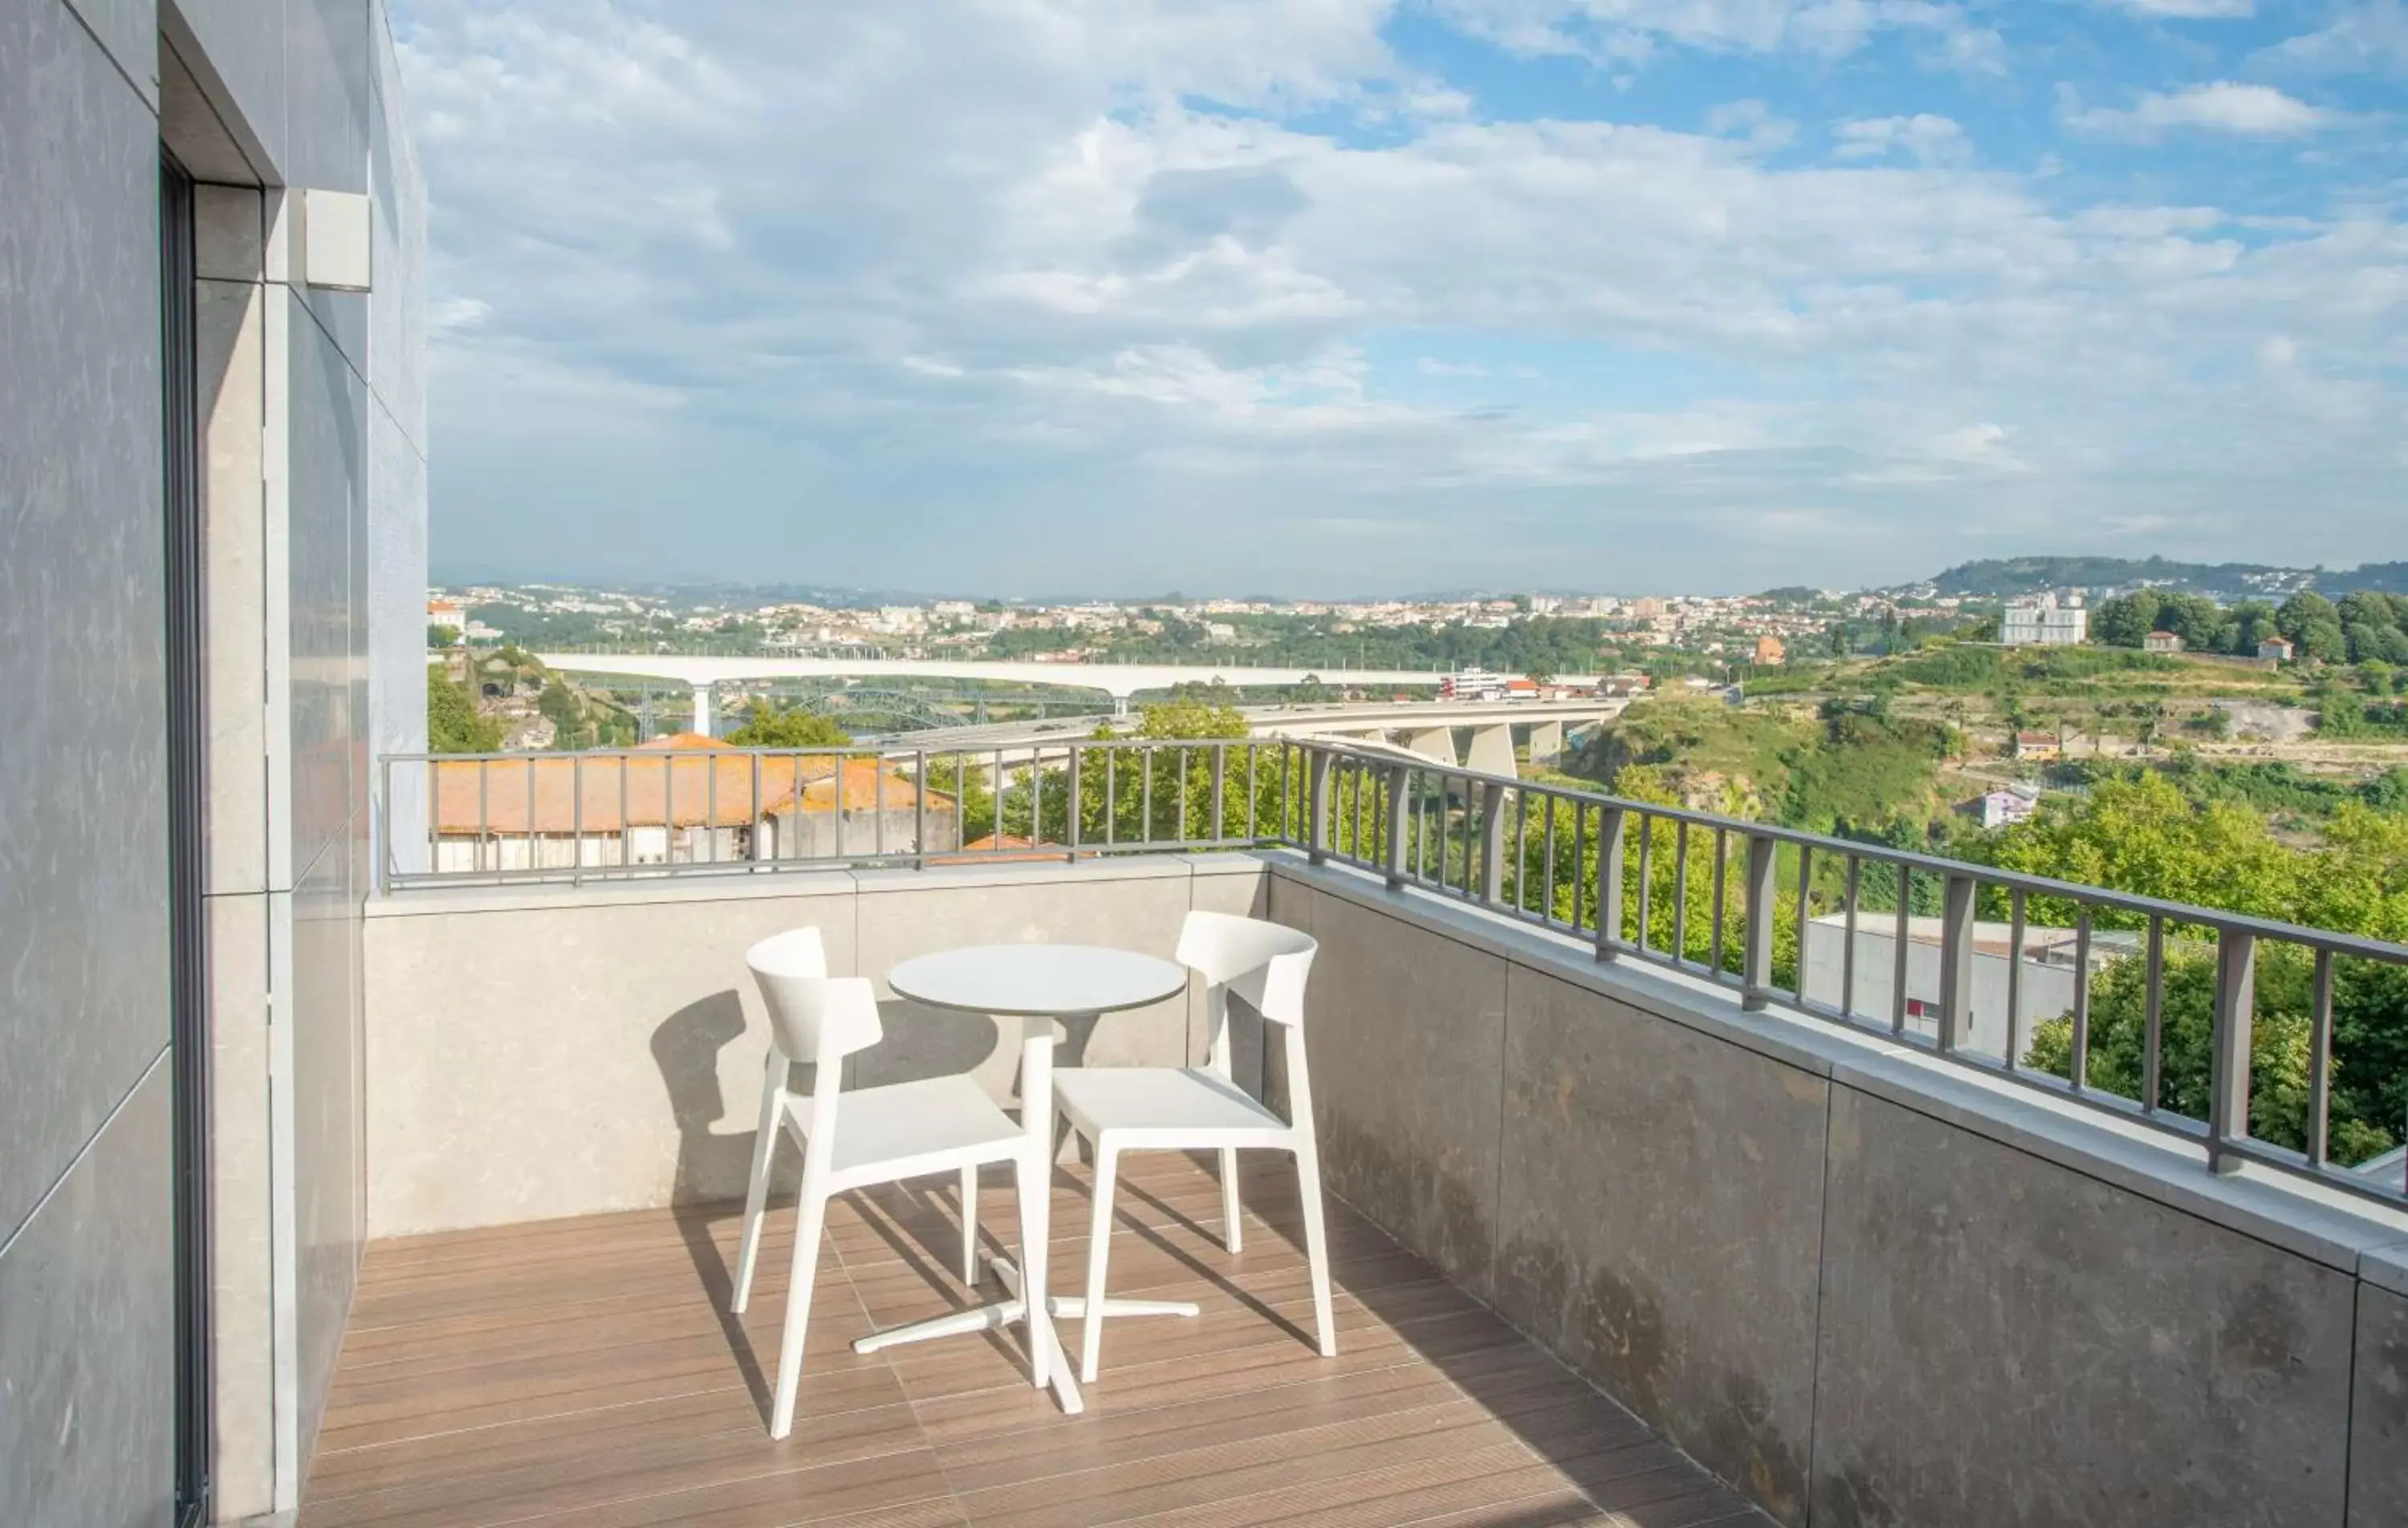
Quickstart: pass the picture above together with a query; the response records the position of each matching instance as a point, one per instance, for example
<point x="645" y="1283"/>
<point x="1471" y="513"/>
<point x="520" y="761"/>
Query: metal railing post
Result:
<point x="1316" y="830"/>
<point x="756" y="835"/>
<point x="2077" y="1056"/>
<point x="1078" y="803"/>
<point x="384" y="827"/>
<point x="1763" y="890"/>
<point x="920" y="810"/>
<point x="1611" y="829"/>
<point x="1492" y="841"/>
<point x="1955" y="962"/>
<point x="1393" y="853"/>
<point x="577" y="820"/>
<point x="2227" y="1098"/>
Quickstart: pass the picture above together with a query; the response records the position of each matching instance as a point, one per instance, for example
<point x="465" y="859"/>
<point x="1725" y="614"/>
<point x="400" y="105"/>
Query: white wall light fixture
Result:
<point x="336" y="241"/>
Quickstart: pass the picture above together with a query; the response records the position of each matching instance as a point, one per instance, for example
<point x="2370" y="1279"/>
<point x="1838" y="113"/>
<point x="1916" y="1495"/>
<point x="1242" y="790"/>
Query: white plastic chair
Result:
<point x="1147" y="1108"/>
<point x="856" y="1140"/>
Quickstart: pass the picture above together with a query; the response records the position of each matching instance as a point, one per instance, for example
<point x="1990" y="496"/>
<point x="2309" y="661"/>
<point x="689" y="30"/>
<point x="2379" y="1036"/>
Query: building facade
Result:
<point x="684" y="799"/>
<point x="2044" y="622"/>
<point x="212" y="484"/>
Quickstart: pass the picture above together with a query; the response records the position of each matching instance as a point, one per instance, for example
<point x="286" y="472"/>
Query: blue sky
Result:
<point x="1331" y="296"/>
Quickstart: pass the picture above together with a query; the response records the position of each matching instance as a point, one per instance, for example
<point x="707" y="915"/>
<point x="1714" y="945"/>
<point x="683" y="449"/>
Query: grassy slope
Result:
<point x="1781" y="764"/>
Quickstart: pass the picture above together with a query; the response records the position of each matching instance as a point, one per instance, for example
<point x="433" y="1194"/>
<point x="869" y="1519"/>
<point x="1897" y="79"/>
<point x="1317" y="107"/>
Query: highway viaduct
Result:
<point x="1121" y="681"/>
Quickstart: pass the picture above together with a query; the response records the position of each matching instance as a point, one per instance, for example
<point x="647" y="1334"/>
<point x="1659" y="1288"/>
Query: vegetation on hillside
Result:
<point x="452" y="724"/>
<point x="1538" y="645"/>
<point x="1856" y="772"/>
<point x="2146" y="836"/>
<point x="2223" y="834"/>
<point x="2288" y="797"/>
<point x="2364" y="626"/>
<point x="2005" y="577"/>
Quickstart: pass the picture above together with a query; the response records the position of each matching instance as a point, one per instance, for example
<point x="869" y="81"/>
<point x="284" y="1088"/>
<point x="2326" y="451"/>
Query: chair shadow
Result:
<point x="1154" y="1237"/>
<point x="686" y="1049"/>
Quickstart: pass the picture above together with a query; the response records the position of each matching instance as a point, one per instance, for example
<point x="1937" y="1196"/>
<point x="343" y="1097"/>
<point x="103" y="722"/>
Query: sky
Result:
<point x="1057" y="297"/>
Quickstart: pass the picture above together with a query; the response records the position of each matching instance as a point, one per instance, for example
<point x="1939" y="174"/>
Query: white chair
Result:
<point x="855" y="1139"/>
<point x="1148" y="1108"/>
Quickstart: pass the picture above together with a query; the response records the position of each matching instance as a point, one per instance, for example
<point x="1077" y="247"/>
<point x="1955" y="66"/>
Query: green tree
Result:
<point x="440" y="635"/>
<point x="1836" y="640"/>
<point x="768" y="727"/>
<point x="2141" y="832"/>
<point x="2252" y="622"/>
<point x="2310" y="621"/>
<point x="452" y="723"/>
<point x="1190" y="716"/>
<point x="2125" y="621"/>
<point x="2197" y="620"/>
<point x="2366" y="607"/>
<point x="2371" y="644"/>
<point x="2278" y="1043"/>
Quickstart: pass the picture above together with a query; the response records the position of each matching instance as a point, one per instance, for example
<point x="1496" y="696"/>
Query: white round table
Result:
<point x="1038" y="985"/>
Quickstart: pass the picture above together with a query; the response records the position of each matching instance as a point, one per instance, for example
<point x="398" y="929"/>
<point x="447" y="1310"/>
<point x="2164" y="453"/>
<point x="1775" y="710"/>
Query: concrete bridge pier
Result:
<point x="703" y="710"/>
<point x="1546" y="741"/>
<point x="1434" y="743"/>
<point x="1492" y="750"/>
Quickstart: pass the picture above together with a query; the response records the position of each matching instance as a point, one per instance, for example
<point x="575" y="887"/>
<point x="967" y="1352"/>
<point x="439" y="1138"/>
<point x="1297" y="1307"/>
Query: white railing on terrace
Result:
<point x="2177" y="1017"/>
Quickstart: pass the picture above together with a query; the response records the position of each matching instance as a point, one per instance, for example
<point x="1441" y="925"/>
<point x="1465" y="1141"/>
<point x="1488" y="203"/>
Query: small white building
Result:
<point x="2008" y="806"/>
<point x="2045" y="988"/>
<point x="2044" y="623"/>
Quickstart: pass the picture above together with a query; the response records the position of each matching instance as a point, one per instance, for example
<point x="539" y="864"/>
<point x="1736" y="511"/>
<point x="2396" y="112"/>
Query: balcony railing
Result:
<point x="2000" y="972"/>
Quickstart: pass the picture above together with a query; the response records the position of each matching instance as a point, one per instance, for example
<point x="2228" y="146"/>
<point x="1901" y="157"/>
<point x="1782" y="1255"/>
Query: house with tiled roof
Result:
<point x="684" y="799"/>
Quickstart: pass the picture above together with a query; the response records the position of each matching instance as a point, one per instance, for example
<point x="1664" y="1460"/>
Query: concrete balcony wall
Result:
<point x="1866" y="1287"/>
<point x="541" y="1051"/>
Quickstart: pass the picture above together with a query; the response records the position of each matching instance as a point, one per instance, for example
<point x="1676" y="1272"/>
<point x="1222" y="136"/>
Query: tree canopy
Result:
<point x="2366" y="625"/>
<point x="768" y="727"/>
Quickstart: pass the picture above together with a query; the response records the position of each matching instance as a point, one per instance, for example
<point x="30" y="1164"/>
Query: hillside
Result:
<point x="2007" y="578"/>
<point x="1847" y="772"/>
<point x="2012" y="578"/>
<point x="2384" y="577"/>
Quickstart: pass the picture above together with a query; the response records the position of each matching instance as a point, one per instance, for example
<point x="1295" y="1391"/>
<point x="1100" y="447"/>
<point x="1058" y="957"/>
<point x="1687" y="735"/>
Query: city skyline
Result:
<point x="1446" y="293"/>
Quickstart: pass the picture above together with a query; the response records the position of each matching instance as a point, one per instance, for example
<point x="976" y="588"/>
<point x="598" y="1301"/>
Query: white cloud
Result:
<point x="1930" y="139"/>
<point x="1632" y="32"/>
<point x="2188" y="9"/>
<point x="2242" y="110"/>
<point x="1752" y="121"/>
<point x="1431" y="366"/>
<point x="1014" y="309"/>
<point x="2365" y="37"/>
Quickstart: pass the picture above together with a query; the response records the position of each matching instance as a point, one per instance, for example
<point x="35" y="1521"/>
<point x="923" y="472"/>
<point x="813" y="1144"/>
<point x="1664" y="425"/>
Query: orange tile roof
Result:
<point x="501" y="797"/>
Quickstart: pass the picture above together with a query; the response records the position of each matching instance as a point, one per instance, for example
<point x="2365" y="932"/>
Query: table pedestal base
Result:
<point x="994" y="1317"/>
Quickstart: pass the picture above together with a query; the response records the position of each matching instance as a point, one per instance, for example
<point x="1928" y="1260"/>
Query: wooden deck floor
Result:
<point x="586" y="1372"/>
